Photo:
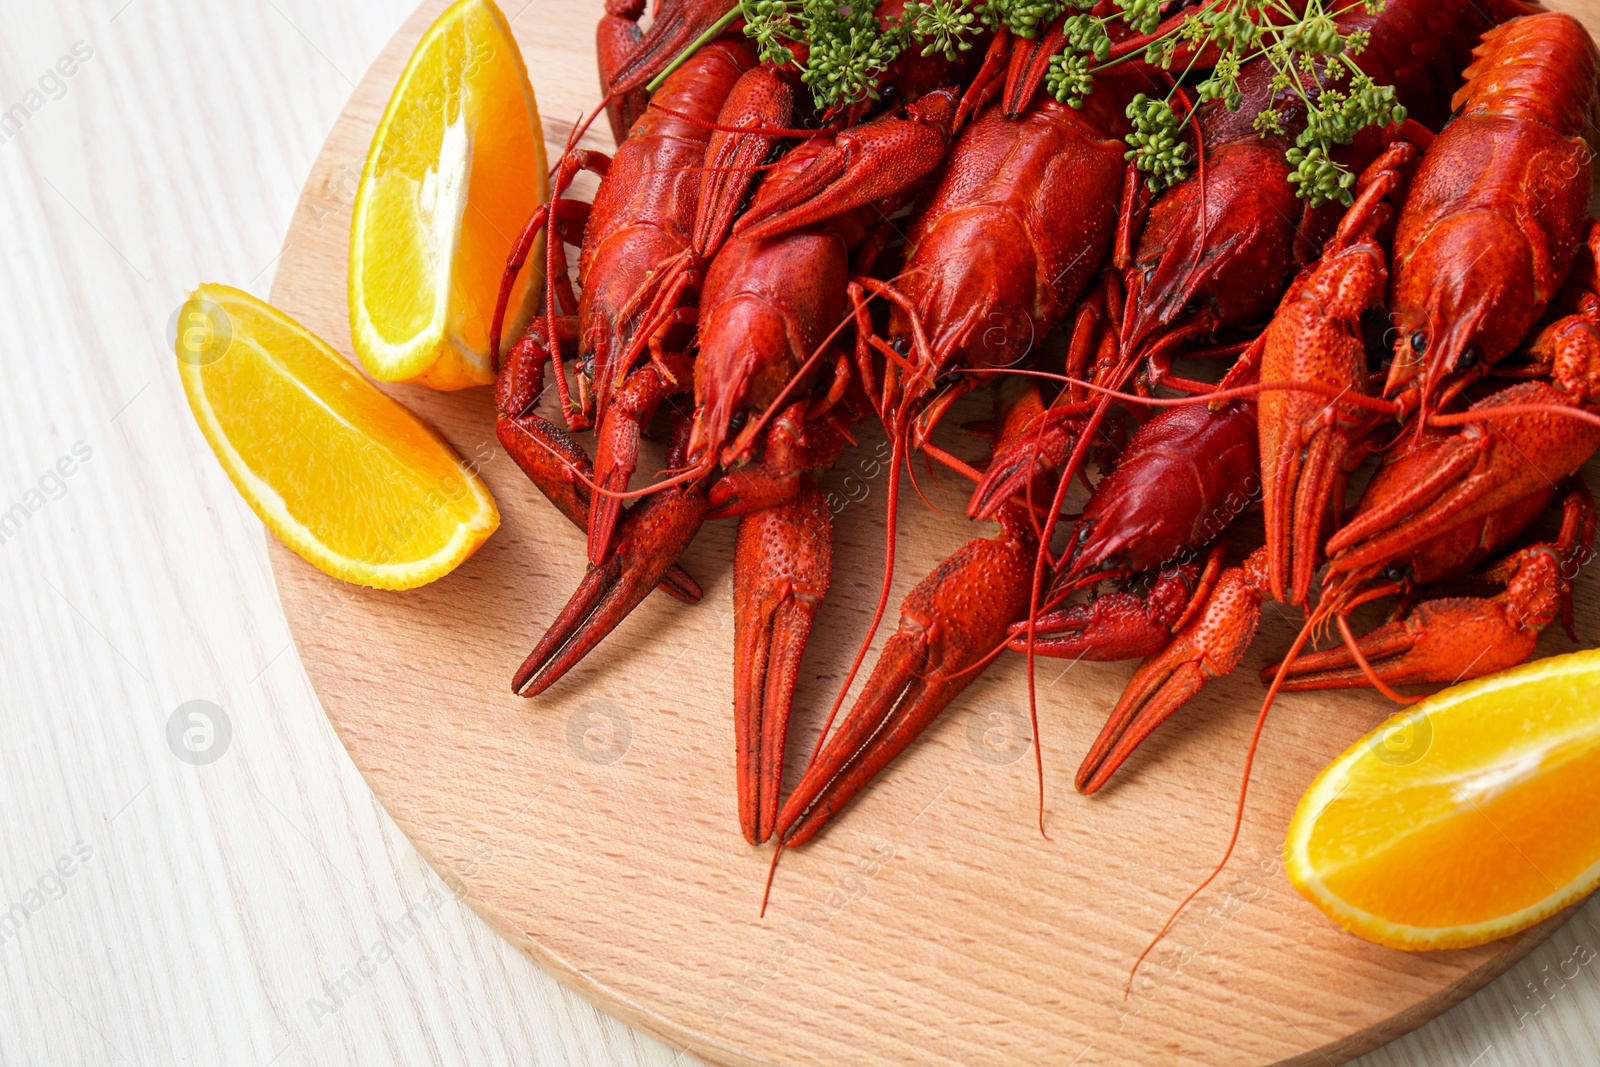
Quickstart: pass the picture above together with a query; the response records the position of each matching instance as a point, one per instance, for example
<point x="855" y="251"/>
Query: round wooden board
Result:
<point x="596" y="827"/>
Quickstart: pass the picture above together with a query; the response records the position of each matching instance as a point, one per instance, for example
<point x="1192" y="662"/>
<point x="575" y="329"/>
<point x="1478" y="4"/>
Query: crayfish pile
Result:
<point x="764" y="275"/>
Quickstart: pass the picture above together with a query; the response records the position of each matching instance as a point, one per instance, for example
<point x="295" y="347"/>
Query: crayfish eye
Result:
<point x="1469" y="358"/>
<point x="1419" y="342"/>
<point x="736" y="423"/>
<point x="901" y="346"/>
<point x="1395" y="573"/>
<point x="588" y="368"/>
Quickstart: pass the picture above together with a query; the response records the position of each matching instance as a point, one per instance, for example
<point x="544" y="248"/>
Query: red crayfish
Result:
<point x="766" y="278"/>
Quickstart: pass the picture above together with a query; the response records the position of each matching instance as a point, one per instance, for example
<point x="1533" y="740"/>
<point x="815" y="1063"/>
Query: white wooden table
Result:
<point x="259" y="908"/>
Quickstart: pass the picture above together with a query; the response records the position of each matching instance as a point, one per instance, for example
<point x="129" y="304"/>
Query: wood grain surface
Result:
<point x="595" y="827"/>
<point x="262" y="908"/>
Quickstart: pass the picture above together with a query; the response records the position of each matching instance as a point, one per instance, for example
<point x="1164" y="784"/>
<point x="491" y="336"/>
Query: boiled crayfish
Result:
<point x="767" y="276"/>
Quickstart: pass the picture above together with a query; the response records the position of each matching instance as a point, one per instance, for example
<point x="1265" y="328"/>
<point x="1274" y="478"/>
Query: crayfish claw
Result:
<point x="649" y="541"/>
<point x="761" y="101"/>
<point x="782" y="566"/>
<point x="866" y="164"/>
<point x="1210" y="646"/>
<point x="1307" y="440"/>
<point x="616" y="39"/>
<point x="1162" y="686"/>
<point x="677" y="25"/>
<point x="1441" y="642"/>
<point x="1031" y="453"/>
<point x="521" y="378"/>
<point x="617" y="452"/>
<point x="680" y="585"/>
<point x="751" y="489"/>
<point x="1030" y="61"/>
<point x="1115" y="626"/>
<point x="1445" y="641"/>
<point x="551" y="459"/>
<point x="558" y="465"/>
<point x="949" y="625"/>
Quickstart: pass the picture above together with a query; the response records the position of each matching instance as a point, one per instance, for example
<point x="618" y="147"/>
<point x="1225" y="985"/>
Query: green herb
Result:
<point x="1155" y="145"/>
<point x="847" y="51"/>
<point x="1308" y="54"/>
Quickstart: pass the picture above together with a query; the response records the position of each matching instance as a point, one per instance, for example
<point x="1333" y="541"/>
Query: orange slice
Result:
<point x="456" y="167"/>
<point x="1465" y="819"/>
<point x="343" y="474"/>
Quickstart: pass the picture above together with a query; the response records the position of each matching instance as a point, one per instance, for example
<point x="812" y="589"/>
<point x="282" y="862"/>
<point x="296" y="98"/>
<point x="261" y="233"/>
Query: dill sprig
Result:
<point x="847" y="49"/>
<point x="1310" y="58"/>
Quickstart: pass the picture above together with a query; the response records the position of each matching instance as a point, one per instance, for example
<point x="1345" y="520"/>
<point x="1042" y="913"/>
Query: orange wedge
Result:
<point x="343" y="474"/>
<point x="1468" y="818"/>
<point x="455" y="168"/>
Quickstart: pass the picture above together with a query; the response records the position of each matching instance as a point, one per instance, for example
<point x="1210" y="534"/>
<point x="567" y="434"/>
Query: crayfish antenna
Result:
<point x="1074" y="463"/>
<point x="1035" y="593"/>
<point x="897" y="456"/>
<point x="1244" y="792"/>
<point x="772" y="871"/>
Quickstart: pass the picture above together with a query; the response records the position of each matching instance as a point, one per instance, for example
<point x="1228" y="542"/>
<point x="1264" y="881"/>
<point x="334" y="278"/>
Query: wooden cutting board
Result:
<point x="596" y="827"/>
